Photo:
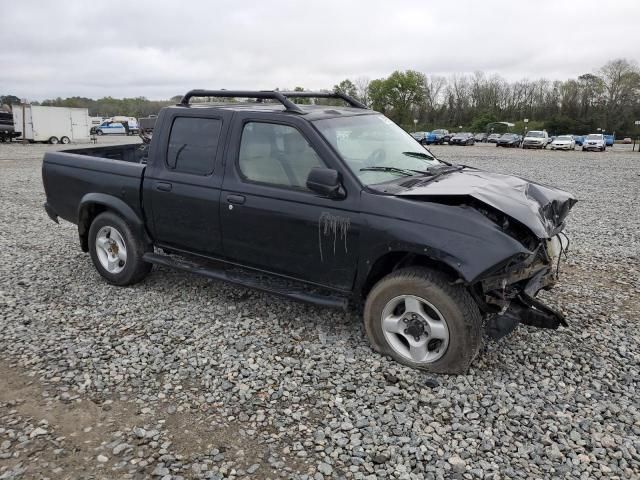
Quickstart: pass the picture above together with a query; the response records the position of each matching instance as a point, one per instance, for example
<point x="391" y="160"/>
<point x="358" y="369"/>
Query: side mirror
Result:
<point x="326" y="182"/>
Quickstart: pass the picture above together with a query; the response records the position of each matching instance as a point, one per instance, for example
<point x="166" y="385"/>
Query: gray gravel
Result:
<point x="181" y="377"/>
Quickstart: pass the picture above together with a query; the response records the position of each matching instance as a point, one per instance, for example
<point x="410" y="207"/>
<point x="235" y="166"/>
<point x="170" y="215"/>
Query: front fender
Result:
<point x="463" y="239"/>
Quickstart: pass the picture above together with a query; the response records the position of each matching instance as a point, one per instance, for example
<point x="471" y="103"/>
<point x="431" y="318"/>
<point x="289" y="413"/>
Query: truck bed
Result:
<point x="72" y="177"/>
<point x="134" y="152"/>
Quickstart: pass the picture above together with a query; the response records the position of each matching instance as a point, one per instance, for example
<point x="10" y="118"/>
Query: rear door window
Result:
<point x="193" y="143"/>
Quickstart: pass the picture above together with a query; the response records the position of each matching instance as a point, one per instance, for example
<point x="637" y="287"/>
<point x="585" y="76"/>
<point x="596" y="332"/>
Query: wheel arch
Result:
<point x="393" y="260"/>
<point x="93" y="204"/>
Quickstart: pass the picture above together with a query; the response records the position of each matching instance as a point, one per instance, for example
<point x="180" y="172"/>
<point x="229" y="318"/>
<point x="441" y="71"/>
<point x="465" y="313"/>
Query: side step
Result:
<point x="265" y="283"/>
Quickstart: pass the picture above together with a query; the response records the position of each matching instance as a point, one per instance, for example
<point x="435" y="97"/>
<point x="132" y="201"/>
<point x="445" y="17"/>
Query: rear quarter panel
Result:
<point x="69" y="177"/>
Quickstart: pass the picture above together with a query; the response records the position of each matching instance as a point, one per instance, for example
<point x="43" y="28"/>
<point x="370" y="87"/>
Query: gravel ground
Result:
<point x="181" y="377"/>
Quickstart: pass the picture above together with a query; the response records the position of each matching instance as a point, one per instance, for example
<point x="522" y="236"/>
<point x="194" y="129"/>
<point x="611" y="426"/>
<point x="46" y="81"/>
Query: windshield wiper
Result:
<point x="402" y="171"/>
<point x="419" y="155"/>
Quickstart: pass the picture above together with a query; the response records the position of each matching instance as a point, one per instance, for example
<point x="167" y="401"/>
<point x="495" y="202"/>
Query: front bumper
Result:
<point x="561" y="147"/>
<point x="586" y="146"/>
<point x="512" y="294"/>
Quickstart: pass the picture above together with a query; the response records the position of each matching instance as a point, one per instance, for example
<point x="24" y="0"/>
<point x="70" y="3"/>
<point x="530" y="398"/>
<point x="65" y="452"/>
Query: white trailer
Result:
<point x="53" y="124"/>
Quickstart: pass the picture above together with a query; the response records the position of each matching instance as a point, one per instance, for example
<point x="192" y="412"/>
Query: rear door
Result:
<point x="182" y="185"/>
<point x="270" y="220"/>
<point x="79" y="124"/>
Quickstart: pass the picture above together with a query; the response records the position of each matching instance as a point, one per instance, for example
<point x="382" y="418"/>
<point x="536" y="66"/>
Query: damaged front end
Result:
<point x="507" y="297"/>
<point x="528" y="212"/>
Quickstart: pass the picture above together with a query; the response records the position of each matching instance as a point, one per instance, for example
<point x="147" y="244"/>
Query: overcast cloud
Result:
<point x="163" y="48"/>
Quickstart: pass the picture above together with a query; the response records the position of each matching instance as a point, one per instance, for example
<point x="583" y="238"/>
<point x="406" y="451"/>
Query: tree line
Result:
<point x="608" y="99"/>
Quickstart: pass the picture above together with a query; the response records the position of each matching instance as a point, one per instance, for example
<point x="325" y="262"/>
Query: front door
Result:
<point x="270" y="220"/>
<point x="182" y="185"/>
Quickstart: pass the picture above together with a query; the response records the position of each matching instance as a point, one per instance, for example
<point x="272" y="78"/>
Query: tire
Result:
<point x="65" y="140"/>
<point x="53" y="140"/>
<point x="452" y="304"/>
<point x="124" y="272"/>
<point x="99" y="132"/>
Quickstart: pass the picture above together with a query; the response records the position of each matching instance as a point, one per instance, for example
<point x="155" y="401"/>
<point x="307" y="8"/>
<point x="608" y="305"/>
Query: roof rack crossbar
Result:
<point x="288" y="104"/>
<point x="282" y="97"/>
<point x="350" y="100"/>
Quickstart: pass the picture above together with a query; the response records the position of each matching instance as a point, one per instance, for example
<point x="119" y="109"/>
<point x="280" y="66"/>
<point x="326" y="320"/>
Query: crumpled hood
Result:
<point x="541" y="208"/>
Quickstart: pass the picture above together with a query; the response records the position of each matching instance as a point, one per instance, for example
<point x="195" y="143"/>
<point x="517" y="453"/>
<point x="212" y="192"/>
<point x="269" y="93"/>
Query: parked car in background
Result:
<point x="481" y="137"/>
<point x="111" y="128"/>
<point x="627" y="140"/>
<point x="118" y="125"/>
<point x="594" y="141"/>
<point x="421" y="137"/>
<point x="579" y="139"/>
<point x="512" y="140"/>
<point x="609" y="140"/>
<point x="464" y="138"/>
<point x="493" y="138"/>
<point x="447" y="137"/>
<point x="536" y="139"/>
<point x="437" y="137"/>
<point x="563" y="142"/>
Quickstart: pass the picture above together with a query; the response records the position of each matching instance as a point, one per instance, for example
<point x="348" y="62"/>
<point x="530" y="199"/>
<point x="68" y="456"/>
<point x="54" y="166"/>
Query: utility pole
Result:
<point x="24" y="121"/>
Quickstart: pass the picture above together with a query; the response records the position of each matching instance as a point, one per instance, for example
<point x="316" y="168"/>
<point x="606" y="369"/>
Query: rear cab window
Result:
<point x="193" y="143"/>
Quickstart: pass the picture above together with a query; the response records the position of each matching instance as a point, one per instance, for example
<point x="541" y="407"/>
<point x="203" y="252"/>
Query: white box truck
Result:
<point x="53" y="124"/>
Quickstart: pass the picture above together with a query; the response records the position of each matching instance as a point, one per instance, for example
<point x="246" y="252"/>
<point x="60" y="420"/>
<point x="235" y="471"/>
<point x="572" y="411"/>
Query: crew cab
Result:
<point x="331" y="205"/>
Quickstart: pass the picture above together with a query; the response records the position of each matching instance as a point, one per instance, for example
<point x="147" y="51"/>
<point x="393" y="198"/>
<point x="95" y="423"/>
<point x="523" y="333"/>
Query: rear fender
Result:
<point x="92" y="204"/>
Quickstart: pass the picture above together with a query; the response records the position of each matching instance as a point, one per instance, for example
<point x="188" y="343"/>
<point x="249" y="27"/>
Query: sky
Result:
<point x="158" y="49"/>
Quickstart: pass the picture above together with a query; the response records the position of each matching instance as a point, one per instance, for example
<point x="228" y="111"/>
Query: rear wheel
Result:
<point x="65" y="140"/>
<point x="416" y="316"/>
<point x="116" y="251"/>
<point x="53" y="140"/>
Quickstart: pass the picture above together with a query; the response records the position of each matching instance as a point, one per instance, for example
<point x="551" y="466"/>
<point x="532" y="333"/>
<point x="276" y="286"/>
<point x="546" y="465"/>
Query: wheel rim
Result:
<point x="111" y="249"/>
<point x="415" y="329"/>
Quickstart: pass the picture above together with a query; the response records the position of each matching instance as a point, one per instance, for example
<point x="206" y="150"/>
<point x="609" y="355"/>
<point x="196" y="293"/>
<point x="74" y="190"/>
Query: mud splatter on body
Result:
<point x="332" y="226"/>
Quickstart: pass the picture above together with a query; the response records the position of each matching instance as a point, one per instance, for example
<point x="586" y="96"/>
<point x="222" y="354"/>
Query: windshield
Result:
<point x="564" y="137"/>
<point x="535" y="134"/>
<point x="439" y="132"/>
<point x="594" y="136"/>
<point x="375" y="148"/>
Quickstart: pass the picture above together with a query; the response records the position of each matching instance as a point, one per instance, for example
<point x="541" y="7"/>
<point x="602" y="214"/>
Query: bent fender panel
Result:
<point x="471" y="256"/>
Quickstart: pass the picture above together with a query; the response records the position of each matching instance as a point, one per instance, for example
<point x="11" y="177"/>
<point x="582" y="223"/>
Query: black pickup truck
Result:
<point x="324" y="204"/>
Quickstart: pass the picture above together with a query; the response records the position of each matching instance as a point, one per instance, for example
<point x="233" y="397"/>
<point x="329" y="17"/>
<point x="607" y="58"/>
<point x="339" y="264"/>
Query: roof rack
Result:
<point x="282" y="97"/>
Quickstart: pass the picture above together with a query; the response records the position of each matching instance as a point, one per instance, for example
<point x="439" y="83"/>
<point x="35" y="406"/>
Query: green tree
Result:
<point x="346" y="87"/>
<point x="399" y="96"/>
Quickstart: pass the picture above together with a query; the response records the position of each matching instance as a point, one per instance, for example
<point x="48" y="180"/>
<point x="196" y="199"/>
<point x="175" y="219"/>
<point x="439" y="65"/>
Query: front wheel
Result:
<point x="419" y="318"/>
<point x="53" y="140"/>
<point x="116" y="251"/>
<point x="99" y="132"/>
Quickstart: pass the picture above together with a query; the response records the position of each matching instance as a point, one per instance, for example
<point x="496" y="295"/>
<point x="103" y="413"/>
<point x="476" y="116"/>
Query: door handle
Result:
<point x="163" y="186"/>
<point x="236" y="199"/>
